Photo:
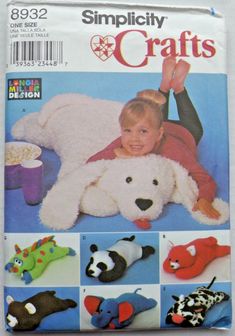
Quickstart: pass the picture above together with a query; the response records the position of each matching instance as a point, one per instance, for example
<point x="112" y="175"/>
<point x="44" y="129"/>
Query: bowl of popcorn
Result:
<point x="15" y="153"/>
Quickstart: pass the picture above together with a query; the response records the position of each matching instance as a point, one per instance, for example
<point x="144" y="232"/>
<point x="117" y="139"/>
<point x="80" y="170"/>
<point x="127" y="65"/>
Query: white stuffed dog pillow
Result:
<point x="136" y="187"/>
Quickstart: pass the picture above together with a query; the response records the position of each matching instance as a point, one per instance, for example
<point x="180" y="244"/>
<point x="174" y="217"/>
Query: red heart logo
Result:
<point x="103" y="46"/>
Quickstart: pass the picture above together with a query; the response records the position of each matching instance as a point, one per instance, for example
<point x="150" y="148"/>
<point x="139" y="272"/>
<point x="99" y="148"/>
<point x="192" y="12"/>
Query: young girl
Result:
<point x="145" y="129"/>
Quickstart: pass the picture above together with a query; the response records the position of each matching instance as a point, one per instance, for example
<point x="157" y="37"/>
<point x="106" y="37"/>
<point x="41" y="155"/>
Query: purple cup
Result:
<point x="32" y="181"/>
<point x="13" y="170"/>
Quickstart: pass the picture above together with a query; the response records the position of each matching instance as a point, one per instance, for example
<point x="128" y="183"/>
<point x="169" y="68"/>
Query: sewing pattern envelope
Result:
<point x="116" y="168"/>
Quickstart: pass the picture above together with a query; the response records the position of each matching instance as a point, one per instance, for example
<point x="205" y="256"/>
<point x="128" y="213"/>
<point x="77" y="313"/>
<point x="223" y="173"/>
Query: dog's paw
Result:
<point x="97" y="202"/>
<point x="58" y="216"/>
<point x="219" y="205"/>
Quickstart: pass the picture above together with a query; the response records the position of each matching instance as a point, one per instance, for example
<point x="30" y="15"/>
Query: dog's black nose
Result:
<point x="143" y="204"/>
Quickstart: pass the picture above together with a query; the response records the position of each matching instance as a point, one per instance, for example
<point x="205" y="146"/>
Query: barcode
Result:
<point x="35" y="51"/>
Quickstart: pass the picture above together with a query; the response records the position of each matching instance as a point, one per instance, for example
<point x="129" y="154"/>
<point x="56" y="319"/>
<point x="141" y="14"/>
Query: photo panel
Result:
<point x="119" y="258"/>
<point x="39" y="309"/>
<point x="61" y="152"/>
<point x="195" y="257"/>
<point x="206" y="308"/>
<point x="116" y="307"/>
<point x="42" y="260"/>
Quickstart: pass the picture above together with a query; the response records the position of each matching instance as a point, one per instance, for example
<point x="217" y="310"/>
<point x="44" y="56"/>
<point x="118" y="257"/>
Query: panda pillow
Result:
<point x="109" y="265"/>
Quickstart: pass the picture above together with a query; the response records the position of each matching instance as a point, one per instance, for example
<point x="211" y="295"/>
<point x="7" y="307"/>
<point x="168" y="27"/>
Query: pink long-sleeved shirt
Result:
<point x="179" y="145"/>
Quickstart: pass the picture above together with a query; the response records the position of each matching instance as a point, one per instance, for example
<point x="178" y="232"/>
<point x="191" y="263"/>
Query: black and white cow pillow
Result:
<point x="190" y="311"/>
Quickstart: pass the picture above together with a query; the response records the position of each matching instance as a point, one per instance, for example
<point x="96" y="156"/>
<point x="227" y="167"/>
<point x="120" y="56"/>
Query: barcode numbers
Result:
<point x="36" y="53"/>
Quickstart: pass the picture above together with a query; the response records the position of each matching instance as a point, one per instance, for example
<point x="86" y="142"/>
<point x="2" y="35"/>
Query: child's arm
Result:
<point x="206" y="184"/>
<point x="207" y="190"/>
<point x="121" y="153"/>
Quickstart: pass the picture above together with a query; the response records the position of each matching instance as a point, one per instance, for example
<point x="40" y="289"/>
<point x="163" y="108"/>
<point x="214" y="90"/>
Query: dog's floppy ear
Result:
<point x="92" y="303"/>
<point x="185" y="191"/>
<point x="69" y="189"/>
<point x="117" y="271"/>
<point x="126" y="311"/>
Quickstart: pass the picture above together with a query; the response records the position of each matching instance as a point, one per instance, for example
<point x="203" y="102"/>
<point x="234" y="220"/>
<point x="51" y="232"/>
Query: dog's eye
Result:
<point x="155" y="182"/>
<point x="128" y="179"/>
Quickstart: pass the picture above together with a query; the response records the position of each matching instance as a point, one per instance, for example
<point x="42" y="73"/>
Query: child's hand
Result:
<point x="206" y="208"/>
<point x="121" y="153"/>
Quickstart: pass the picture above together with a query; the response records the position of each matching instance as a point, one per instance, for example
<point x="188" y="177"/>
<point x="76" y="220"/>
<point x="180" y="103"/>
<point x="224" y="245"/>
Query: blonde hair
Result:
<point x="147" y="104"/>
<point x="153" y="95"/>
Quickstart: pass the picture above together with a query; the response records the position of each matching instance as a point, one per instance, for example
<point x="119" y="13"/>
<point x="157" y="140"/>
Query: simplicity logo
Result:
<point x="24" y="88"/>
